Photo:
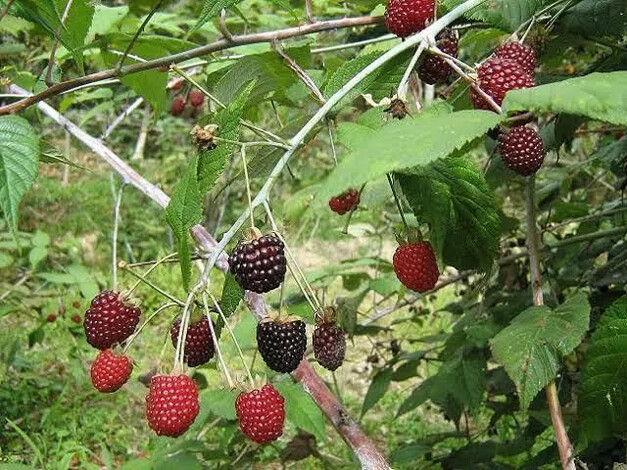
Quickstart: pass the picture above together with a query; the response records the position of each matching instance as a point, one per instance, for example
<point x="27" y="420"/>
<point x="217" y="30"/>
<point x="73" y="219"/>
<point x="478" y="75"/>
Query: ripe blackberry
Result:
<point x="259" y="265"/>
<point x="199" y="347"/>
<point x="178" y="106"/>
<point x="345" y="202"/>
<point x="282" y="342"/>
<point x="416" y="267"/>
<point x="261" y="414"/>
<point x="171" y="404"/>
<point x="524" y="55"/>
<point x="109" y="372"/>
<point x="522" y="150"/>
<point x="110" y="319"/>
<point x="433" y="69"/>
<point x="329" y="341"/>
<point x="496" y="78"/>
<point x="406" y="17"/>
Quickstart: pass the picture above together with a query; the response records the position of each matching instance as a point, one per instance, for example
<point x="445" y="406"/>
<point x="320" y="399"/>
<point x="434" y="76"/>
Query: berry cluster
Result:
<point x="195" y="98"/>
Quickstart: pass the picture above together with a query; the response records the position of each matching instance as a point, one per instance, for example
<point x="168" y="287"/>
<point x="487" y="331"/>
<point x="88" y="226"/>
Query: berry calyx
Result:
<point x="345" y="202"/>
<point x="329" y="341"/>
<point x="496" y="78"/>
<point x="416" y="267"/>
<point x="406" y="17"/>
<point x="522" y="150"/>
<point x="196" y="98"/>
<point x="433" y="69"/>
<point x="171" y="404"/>
<point x="282" y="342"/>
<point x="178" y="106"/>
<point x="110" y="319"/>
<point x="199" y="347"/>
<point x="259" y="265"/>
<point x="261" y="414"/>
<point x="109" y="372"/>
<point x="524" y="55"/>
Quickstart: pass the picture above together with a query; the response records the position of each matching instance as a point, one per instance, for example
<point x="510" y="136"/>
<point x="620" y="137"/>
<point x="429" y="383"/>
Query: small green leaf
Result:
<point x="300" y="409"/>
<point x="19" y="153"/>
<point x="210" y="9"/>
<point x="379" y="385"/>
<point x="183" y="211"/>
<point x="232" y="295"/>
<point x="600" y="96"/>
<point x="76" y="27"/>
<point x="531" y="347"/>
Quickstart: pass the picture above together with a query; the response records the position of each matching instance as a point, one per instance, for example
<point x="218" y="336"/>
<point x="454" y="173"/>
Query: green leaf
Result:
<point x="219" y="402"/>
<point x="19" y="153"/>
<point x="531" y="347"/>
<point x="409" y="454"/>
<point x="210" y="9"/>
<point x="76" y="26"/>
<point x="232" y="295"/>
<point x="600" y="96"/>
<point x="596" y="18"/>
<point x="404" y="144"/>
<point x="613" y="156"/>
<point x="183" y="211"/>
<point x="180" y="460"/>
<point x="602" y="404"/>
<point x="505" y="14"/>
<point x="301" y="410"/>
<point x="211" y="163"/>
<point x="379" y="385"/>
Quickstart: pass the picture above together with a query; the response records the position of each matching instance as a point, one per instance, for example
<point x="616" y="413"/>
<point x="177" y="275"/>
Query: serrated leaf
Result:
<point x="596" y="18"/>
<point x="602" y="404"/>
<point x="300" y="409"/>
<point x="505" y="14"/>
<point x="76" y="27"/>
<point x="19" y="153"/>
<point x="183" y="211"/>
<point x="210" y="9"/>
<point x="379" y="385"/>
<point x="219" y="402"/>
<point x="531" y="347"/>
<point x="211" y="163"/>
<point x="404" y="144"/>
<point x="600" y="96"/>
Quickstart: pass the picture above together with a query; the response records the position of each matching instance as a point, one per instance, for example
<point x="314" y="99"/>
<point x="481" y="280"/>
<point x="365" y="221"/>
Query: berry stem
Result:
<point x="239" y="350"/>
<point x="227" y="375"/>
<point x="179" y="353"/>
<point x="402" y="86"/>
<point x="142" y="278"/>
<point x="331" y="140"/>
<point x="116" y="225"/>
<point x="398" y="202"/>
<point x="139" y="330"/>
<point x="250" y="199"/>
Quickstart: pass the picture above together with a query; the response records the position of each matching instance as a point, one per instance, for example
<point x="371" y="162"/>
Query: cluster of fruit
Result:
<point x="76" y="318"/>
<point x="195" y="98"/>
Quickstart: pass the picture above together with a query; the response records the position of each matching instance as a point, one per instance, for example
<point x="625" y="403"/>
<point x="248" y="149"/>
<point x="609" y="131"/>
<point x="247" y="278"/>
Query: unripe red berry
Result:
<point x="178" y="106"/>
<point x="196" y="98"/>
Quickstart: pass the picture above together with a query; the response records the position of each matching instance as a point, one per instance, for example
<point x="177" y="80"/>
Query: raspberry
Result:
<point x="416" y="267"/>
<point x="496" y="78"/>
<point x="178" y="106"/>
<point x="345" y="202"/>
<point x="259" y="265"/>
<point x="109" y="372"/>
<point x="171" y="404"/>
<point x="522" y="150"/>
<point x="329" y="343"/>
<point x="196" y="98"/>
<point x="406" y="17"/>
<point x="525" y="56"/>
<point x="434" y="69"/>
<point x="51" y="318"/>
<point x="110" y="319"/>
<point x="198" y="342"/>
<point x="282" y="343"/>
<point x="261" y="414"/>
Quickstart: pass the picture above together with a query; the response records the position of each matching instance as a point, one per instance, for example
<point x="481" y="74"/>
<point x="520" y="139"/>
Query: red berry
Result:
<point x="110" y="319"/>
<point x="109" y="372"/>
<point x="282" y="343"/>
<point x="261" y="414"/>
<point x="196" y="98"/>
<point x="522" y="150"/>
<point x="345" y="202"/>
<point x="496" y="78"/>
<point x="406" y="17"/>
<point x="329" y="344"/>
<point x="518" y="52"/>
<point x="434" y="69"/>
<point x="416" y="267"/>
<point x="177" y="85"/>
<point x="171" y="404"/>
<point x="178" y="106"/>
<point x="259" y="265"/>
<point x="76" y="318"/>
<point x="198" y="342"/>
<point x="51" y="318"/>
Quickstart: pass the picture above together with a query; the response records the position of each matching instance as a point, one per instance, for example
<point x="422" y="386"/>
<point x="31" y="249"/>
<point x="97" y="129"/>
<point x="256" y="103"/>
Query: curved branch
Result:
<point x="216" y="46"/>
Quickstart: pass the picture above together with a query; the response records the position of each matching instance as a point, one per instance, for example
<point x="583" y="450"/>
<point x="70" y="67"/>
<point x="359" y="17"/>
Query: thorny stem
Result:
<point x="114" y="241"/>
<point x="230" y="330"/>
<point x="55" y="44"/>
<point x="143" y="325"/>
<point x="227" y="375"/>
<point x="398" y="202"/>
<point x="533" y="243"/>
<point x="250" y="199"/>
<point x="137" y="34"/>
